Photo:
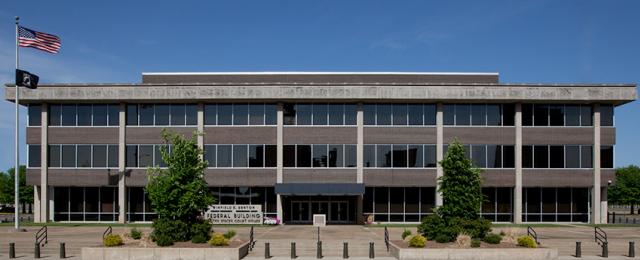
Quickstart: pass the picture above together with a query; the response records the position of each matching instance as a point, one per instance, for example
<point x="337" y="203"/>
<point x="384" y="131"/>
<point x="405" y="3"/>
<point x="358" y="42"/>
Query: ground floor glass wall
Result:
<point x="398" y="204"/>
<point x="139" y="206"/>
<point x="555" y="204"/>
<point x="85" y="204"/>
<point x="497" y="204"/>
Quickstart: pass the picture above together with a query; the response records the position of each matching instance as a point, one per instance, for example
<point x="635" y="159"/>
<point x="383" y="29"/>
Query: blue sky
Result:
<point x="526" y="41"/>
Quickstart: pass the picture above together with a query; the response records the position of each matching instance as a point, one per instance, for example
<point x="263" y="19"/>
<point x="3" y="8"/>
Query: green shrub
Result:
<point x="502" y="233"/>
<point x="136" y="234"/>
<point x="199" y="239"/>
<point x="163" y="240"/>
<point x="406" y="233"/>
<point x="417" y="241"/>
<point x="434" y="226"/>
<point x="112" y="240"/>
<point x="527" y="241"/>
<point x="476" y="228"/>
<point x="202" y="229"/>
<point x="443" y="238"/>
<point x="218" y="240"/>
<point x="230" y="234"/>
<point x="475" y="242"/>
<point x="170" y="230"/>
<point x="492" y="239"/>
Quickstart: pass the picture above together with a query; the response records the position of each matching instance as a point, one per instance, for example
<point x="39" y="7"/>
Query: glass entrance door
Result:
<point x="339" y="212"/>
<point x="300" y="211"/>
<point x="336" y="211"/>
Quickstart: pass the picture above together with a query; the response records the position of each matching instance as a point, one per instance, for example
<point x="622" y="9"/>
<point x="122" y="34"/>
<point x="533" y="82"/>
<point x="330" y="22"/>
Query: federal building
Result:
<point x="352" y="146"/>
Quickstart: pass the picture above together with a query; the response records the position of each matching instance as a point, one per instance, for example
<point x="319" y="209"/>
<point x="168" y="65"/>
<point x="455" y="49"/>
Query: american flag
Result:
<point x="41" y="41"/>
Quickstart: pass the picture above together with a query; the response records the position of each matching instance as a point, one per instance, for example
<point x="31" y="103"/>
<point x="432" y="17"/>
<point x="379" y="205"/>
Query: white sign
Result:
<point x="234" y="214"/>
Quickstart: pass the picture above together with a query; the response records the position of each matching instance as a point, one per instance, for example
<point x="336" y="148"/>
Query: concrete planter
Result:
<point x="166" y="253"/>
<point x="473" y="253"/>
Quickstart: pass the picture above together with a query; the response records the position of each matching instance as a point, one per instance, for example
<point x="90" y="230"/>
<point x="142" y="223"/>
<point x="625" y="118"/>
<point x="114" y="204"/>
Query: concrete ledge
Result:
<point x="474" y="253"/>
<point x="165" y="253"/>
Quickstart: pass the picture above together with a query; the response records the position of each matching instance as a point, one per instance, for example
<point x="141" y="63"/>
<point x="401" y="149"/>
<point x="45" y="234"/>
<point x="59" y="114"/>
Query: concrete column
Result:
<point x="604" y="206"/>
<point x="595" y="190"/>
<point x="517" y="190"/>
<point x="360" y="145"/>
<point x="439" y="149"/>
<point x="44" y="164"/>
<point x="201" y="126"/>
<point x="279" y="157"/>
<point x="36" y="204"/>
<point x="122" y="189"/>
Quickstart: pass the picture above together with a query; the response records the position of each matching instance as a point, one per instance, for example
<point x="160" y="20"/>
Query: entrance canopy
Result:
<point x="315" y="189"/>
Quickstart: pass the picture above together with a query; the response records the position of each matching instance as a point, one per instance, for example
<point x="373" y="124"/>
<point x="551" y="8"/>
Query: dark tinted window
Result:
<point x="289" y="113"/>
<point x="586" y="156"/>
<point x="270" y="114"/>
<point x="114" y="114"/>
<point x="256" y="156"/>
<point x="132" y="156"/>
<point x="35" y="115"/>
<point x="399" y="155"/>
<point x="416" y="156"/>
<point x="256" y="114"/>
<point x="430" y="114"/>
<point x="320" y="114"/>
<point x="84" y="115"/>
<point x="493" y="114"/>
<point x="556" y="156"/>
<point x="99" y="155"/>
<point x="556" y="115"/>
<point x="303" y="156"/>
<point x="271" y="156"/>
<point x="177" y="114"/>
<point x="225" y="114"/>
<point x="68" y="156"/>
<point x="478" y="114"/>
<point x="350" y="114"/>
<point x="430" y="156"/>
<point x="319" y="155"/>
<point x="540" y="156"/>
<point x="69" y="115"/>
<point x="54" y="156"/>
<point x="112" y="153"/>
<point x="145" y="112"/>
<point x="399" y="114"/>
<point x="162" y="113"/>
<point x="415" y="114"/>
<point x="303" y="114"/>
<point x="463" y="114"/>
<point x="369" y="158"/>
<point x="541" y="115"/>
<point x="508" y="156"/>
<point x="191" y="114"/>
<point x="224" y="156"/>
<point x="572" y="156"/>
<point x="586" y="115"/>
<point x="449" y="113"/>
<point x="384" y="112"/>
<point x="157" y="156"/>
<point x="55" y="115"/>
<point x="84" y="156"/>
<point x="210" y="113"/>
<point x="606" y="115"/>
<point x="240" y="156"/>
<point x="145" y="155"/>
<point x="508" y="114"/>
<point x="100" y="114"/>
<point x="132" y="114"/>
<point x="494" y="156"/>
<point x="336" y="156"/>
<point x="527" y="114"/>
<point x="336" y="114"/>
<point x="289" y="155"/>
<point x="527" y="156"/>
<point x="240" y="114"/>
<point x="369" y="112"/>
<point x="572" y="115"/>
<point x="210" y="155"/>
<point x="479" y="155"/>
<point x="606" y="156"/>
<point x="350" y="155"/>
<point x="383" y="155"/>
<point x="34" y="155"/>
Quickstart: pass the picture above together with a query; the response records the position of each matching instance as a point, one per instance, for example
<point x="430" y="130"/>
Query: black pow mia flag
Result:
<point x="26" y="79"/>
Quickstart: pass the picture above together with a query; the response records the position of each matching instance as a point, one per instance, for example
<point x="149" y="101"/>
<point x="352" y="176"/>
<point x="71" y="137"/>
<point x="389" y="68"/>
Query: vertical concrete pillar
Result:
<point x="200" y="126"/>
<point x="280" y="154"/>
<point x="360" y="160"/>
<point x="44" y="164"/>
<point x="122" y="189"/>
<point x="595" y="191"/>
<point x="517" y="190"/>
<point x="604" y="206"/>
<point x="439" y="148"/>
<point x="36" y="204"/>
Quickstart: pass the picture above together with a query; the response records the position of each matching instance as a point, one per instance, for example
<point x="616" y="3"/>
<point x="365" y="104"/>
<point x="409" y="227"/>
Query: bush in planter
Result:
<point x="112" y="240"/>
<point x="406" y="233"/>
<point x="199" y="239"/>
<point x="201" y="229"/>
<point x="163" y="240"/>
<point x="417" y="241"/>
<point x="230" y="234"/>
<point x="475" y="242"/>
<point x="135" y="234"/>
<point x="174" y="230"/>
<point x="463" y="240"/>
<point x="527" y="241"/>
<point x="492" y="239"/>
<point x="218" y="240"/>
<point x="443" y="238"/>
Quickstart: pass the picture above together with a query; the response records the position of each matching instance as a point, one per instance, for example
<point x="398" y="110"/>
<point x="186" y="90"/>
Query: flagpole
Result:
<point x="16" y="170"/>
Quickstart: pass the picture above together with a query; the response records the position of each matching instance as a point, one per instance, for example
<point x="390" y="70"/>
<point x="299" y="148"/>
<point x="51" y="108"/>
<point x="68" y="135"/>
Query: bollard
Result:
<point x="293" y="250"/>
<point x="605" y="249"/>
<point x="614" y="217"/>
<point x="632" y="249"/>
<point x="345" y="250"/>
<point x="372" y="255"/>
<point x="267" y="251"/>
<point x="63" y="251"/>
<point x="578" y="249"/>
<point x="319" y="250"/>
<point x="12" y="250"/>
<point x="36" y="251"/>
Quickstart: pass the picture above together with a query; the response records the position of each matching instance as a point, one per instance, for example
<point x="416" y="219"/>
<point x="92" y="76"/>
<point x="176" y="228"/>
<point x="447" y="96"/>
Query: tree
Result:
<point x="626" y="190"/>
<point x="7" y="187"/>
<point x="179" y="193"/>
<point x="460" y="185"/>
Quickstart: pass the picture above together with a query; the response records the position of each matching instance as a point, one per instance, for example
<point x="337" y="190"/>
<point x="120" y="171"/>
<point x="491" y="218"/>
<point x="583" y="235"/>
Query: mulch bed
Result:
<point x="434" y="244"/>
<point x="234" y="243"/>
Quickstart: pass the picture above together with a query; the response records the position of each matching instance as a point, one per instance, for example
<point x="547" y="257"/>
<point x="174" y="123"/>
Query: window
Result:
<point x="256" y="114"/>
<point x="162" y="114"/>
<point x="416" y="114"/>
<point x="430" y="156"/>
<point x="449" y="113"/>
<point x="256" y="155"/>
<point x="157" y="155"/>
<point x="84" y="156"/>
<point x="100" y="115"/>
<point x="527" y="114"/>
<point x="146" y="112"/>
<point x="541" y="115"/>
<point x="478" y="114"/>
<point x="224" y="156"/>
<point x="84" y="115"/>
<point x="494" y="156"/>
<point x="112" y="156"/>
<point x="270" y="114"/>
<point x="132" y="156"/>
<point x="463" y="114"/>
<point x="303" y="156"/>
<point x="399" y="114"/>
<point x="508" y="114"/>
<point x="319" y="155"/>
<point x="416" y="156"/>
<point x="479" y="155"/>
<point x="68" y="156"/>
<point x="369" y="158"/>
<point x="177" y="114"/>
<point x="68" y="115"/>
<point x="606" y="155"/>
<point x="35" y="114"/>
<point x="240" y="114"/>
<point x="527" y="156"/>
<point x="303" y="114"/>
<point x="210" y="113"/>
<point x="606" y="115"/>
<point x="350" y="114"/>
<point x="335" y="156"/>
<point x="336" y="114"/>
<point x="289" y="155"/>
<point x="572" y="115"/>
<point x="225" y="114"/>
<point x="508" y="156"/>
<point x="399" y="155"/>
<point x="540" y="156"/>
<point x="556" y="156"/>
<point x="99" y="156"/>
<point x="145" y="156"/>
<point x="34" y="156"/>
<point x="369" y="113"/>
<point x="350" y="155"/>
<point x="289" y="114"/>
<point x="586" y="115"/>
<point x="240" y="156"/>
<point x="113" y="114"/>
<point x="54" y="156"/>
<point x="383" y="114"/>
<point x="271" y="156"/>
<point x="132" y="115"/>
<point x="430" y="114"/>
<point x="383" y="156"/>
<point x="556" y="115"/>
<point x="210" y="155"/>
<point x="320" y="114"/>
<point x="586" y="156"/>
<point x="572" y="156"/>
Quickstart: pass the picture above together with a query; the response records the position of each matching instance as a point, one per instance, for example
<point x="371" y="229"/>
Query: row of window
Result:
<point x="76" y="115"/>
<point x="497" y="204"/>
<point x="398" y="204"/>
<point x="400" y="155"/>
<point x="319" y="155"/>
<point x="564" y="115"/>
<point x="564" y="156"/>
<point x="85" y="203"/>
<point x="555" y="204"/>
<point x="145" y="155"/>
<point x="489" y="156"/>
<point x="479" y="114"/>
<point x="399" y="114"/>
<point x="319" y="114"/>
<point x="162" y="114"/>
<point x="241" y="155"/>
<point x="240" y="114"/>
<point x="76" y="156"/>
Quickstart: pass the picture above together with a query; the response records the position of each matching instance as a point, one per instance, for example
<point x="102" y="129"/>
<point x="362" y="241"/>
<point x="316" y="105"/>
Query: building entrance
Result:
<point x="338" y="210"/>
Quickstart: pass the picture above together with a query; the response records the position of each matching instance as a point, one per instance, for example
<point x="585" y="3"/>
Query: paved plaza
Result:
<point x="280" y="238"/>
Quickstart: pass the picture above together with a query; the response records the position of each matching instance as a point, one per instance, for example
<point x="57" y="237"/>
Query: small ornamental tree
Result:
<point x="626" y="190"/>
<point x="178" y="193"/>
<point x="460" y="185"/>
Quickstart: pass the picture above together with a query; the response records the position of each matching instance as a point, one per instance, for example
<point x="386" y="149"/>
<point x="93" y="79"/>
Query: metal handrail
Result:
<point x="251" y="241"/>
<point x="599" y="235"/>
<point x="107" y="232"/>
<point x="532" y="233"/>
<point x="386" y="238"/>
<point x="42" y="235"/>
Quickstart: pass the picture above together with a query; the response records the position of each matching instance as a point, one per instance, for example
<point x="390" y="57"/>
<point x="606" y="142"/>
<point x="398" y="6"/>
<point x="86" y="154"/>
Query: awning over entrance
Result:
<point x="324" y="189"/>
